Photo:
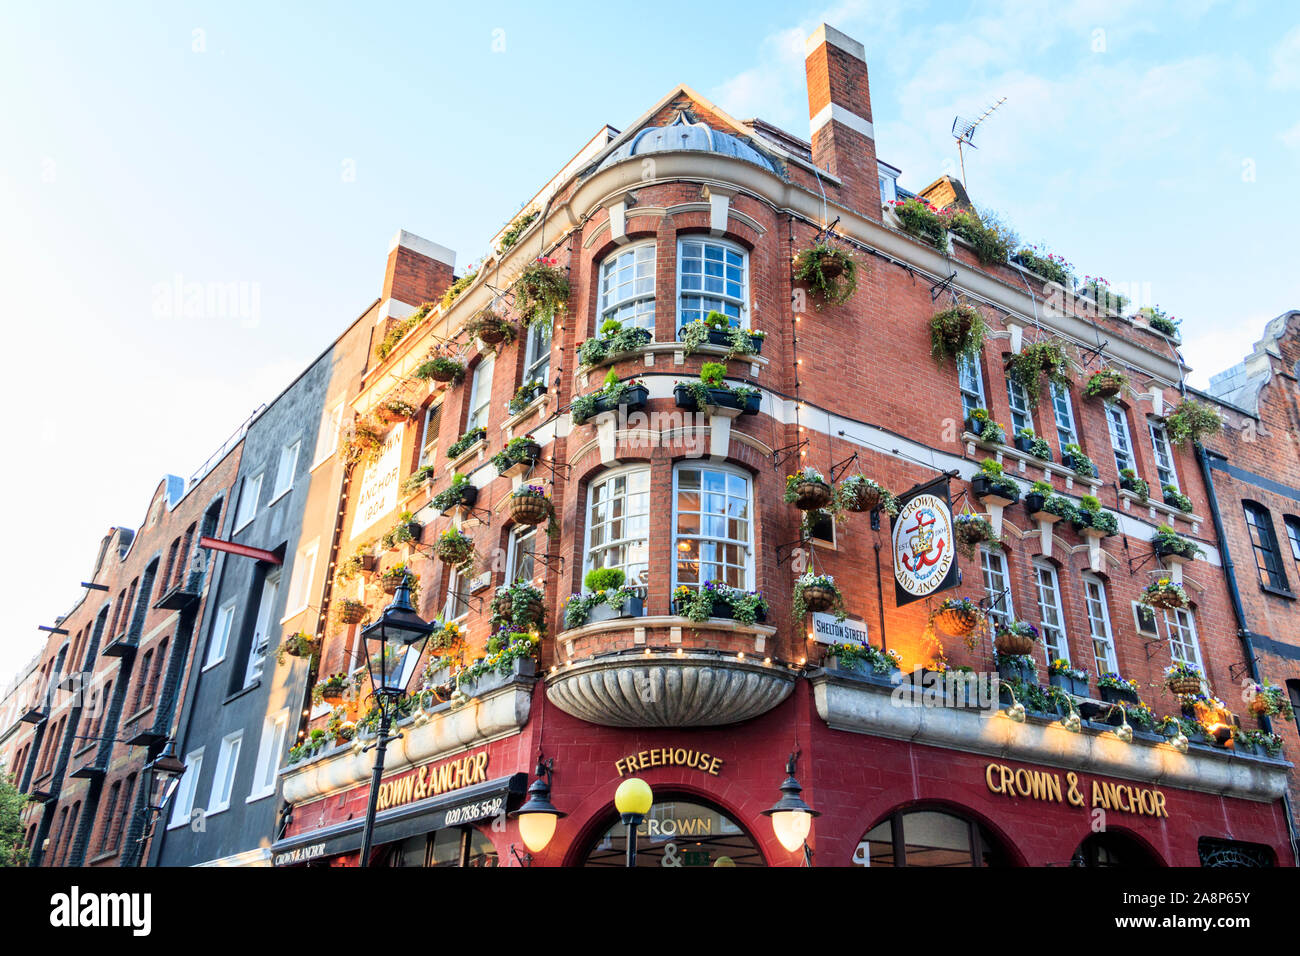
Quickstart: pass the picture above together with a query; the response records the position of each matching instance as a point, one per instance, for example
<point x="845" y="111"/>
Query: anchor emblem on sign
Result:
<point x="924" y="550"/>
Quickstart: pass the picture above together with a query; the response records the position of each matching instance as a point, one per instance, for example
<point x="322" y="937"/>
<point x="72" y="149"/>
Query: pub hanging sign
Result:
<point x="924" y="553"/>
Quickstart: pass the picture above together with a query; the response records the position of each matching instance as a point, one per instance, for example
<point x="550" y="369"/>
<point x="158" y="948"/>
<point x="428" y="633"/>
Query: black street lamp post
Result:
<point x="167" y="769"/>
<point x="393" y="645"/>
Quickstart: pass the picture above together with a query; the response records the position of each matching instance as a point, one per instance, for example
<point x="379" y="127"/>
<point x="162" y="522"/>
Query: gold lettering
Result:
<point x="1052" y="787"/>
<point x="1122" y="797"/>
<point x="1099" y="796"/>
<point x="679" y="756"/>
<point x="641" y="760"/>
<point x="715" y="765"/>
<point x="1023" y="778"/>
<point x="1008" y="780"/>
<point x="1159" y="799"/>
<point x="618" y="765"/>
<point x="482" y="766"/>
<point x="988" y="778"/>
<point x="654" y="758"/>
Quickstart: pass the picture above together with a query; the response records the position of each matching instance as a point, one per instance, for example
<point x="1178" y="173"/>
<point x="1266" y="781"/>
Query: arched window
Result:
<point x="678" y="832"/>
<point x="712" y="526"/>
<point x="618" y="523"/>
<point x="712" y="276"/>
<point x="627" y="286"/>
<point x="1114" y="849"/>
<point x="928" y="838"/>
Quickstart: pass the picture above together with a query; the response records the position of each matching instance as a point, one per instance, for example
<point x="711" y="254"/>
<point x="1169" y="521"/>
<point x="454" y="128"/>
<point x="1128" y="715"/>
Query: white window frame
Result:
<point x="1047" y="587"/>
<point x="537" y="352"/>
<point x="261" y="641"/>
<point x="638" y="299"/>
<point x="970" y="383"/>
<point x="1067" y="433"/>
<point x="186" y="790"/>
<point x="226" y="770"/>
<point x="747" y="544"/>
<point x="1001" y="605"/>
<point x="1121" y="442"/>
<point x="252" y="490"/>
<point x="301" y="580"/>
<point x="1162" y="448"/>
<point x="1138" y="610"/>
<point x="219" y="638"/>
<point x="1183" y="635"/>
<point x="275" y="728"/>
<point x="454" y="577"/>
<point x="1103" y="637"/>
<point x="327" y="437"/>
<point x="425" y="457"/>
<point x="1022" y="414"/>
<point x="741" y="301"/>
<point x="285" y="470"/>
<point x="480" y="394"/>
<point x="528" y="532"/>
<point x="588" y="549"/>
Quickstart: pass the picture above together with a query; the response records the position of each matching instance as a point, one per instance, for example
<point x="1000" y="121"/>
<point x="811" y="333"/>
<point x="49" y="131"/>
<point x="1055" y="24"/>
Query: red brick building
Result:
<point x="688" y="212"/>
<point x="107" y="689"/>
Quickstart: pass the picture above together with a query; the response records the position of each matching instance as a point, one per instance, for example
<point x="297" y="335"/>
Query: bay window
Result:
<point x="618" y="523"/>
<point x="627" y="286"/>
<point x="712" y="276"/>
<point x="712" y="526"/>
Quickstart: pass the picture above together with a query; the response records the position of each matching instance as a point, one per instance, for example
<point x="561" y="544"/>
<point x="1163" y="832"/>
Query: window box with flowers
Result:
<point x="1032" y="444"/>
<point x="711" y="393"/>
<point x="441" y="369"/>
<point x="717" y="329"/>
<point x="858" y="493"/>
<point x="1129" y="481"/>
<point x="511" y="653"/>
<point x="991" y="486"/>
<point x="1014" y="638"/>
<point x="816" y="593"/>
<point x="1184" y="680"/>
<point x="716" y="599"/>
<point x="808" y="490"/>
<point x="614" y="341"/>
<point x="991" y="239"/>
<point x="829" y="272"/>
<point x="1092" y="520"/>
<point x="1256" y="742"/>
<point x="1043" y="504"/>
<point x="1161" y="321"/>
<point x="529" y="504"/>
<point x="1072" y="680"/>
<point x="405" y="531"/>
<point x="518" y="457"/>
<point x="465" y="443"/>
<point x="1169" y="544"/>
<point x="981" y="424"/>
<point x="1072" y="457"/>
<point x="1164" y="594"/>
<point x="1175" y="498"/>
<point x="492" y="330"/>
<point x="1117" y="690"/>
<point x="922" y="220"/>
<point x="605" y="598"/>
<point x="541" y="290"/>
<point x="956" y="332"/>
<point x="1044" y="264"/>
<point x="361" y="561"/>
<point x="863" y="659"/>
<point x="1020" y="669"/>
<point x="612" y="396"/>
<point x="457" y="497"/>
<point x="525" y="395"/>
<point x="418" y="479"/>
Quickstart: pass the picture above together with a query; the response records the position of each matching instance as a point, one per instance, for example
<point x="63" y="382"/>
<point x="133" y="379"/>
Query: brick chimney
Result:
<point x="418" y="271"/>
<point x="839" y="111"/>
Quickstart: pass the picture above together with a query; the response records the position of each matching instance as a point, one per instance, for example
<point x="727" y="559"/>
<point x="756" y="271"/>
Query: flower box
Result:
<point x="467" y="496"/>
<point x="718" y="398"/>
<point x="723" y="338"/>
<point x="984" y="487"/>
<point x="1016" y="668"/>
<point x="1068" y="461"/>
<point x="721" y="608"/>
<point x="522" y="458"/>
<point x="524" y="667"/>
<point x="632" y="607"/>
<point x="1071" y="685"/>
<point x="1117" y="695"/>
<point x="634" y="399"/>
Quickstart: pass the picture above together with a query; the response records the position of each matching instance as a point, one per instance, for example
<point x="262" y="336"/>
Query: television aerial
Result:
<point x="963" y="130"/>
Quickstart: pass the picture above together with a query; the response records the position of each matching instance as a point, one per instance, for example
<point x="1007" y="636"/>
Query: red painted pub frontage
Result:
<point x="588" y="452"/>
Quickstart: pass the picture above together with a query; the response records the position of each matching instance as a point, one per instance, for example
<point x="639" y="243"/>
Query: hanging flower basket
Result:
<point x="490" y="328"/>
<point x="807" y="490"/>
<point x="817" y="598"/>
<point x="529" y="505"/>
<point x="454" y="548"/>
<point x="1105" y="384"/>
<point x="971" y="530"/>
<point x="1016" y="639"/>
<point x="859" y="493"/>
<point x="1164" y="594"/>
<point x="352" y="612"/>
<point x="1184" y="680"/>
<point x="958" y="617"/>
<point x="441" y="369"/>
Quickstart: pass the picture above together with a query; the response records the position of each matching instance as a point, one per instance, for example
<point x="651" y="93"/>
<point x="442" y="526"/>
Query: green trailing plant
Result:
<point x="455" y="548"/>
<point x="1161" y="321"/>
<point x="456" y="288"/>
<point x="1052" y="267"/>
<point x="614" y="339"/>
<point x="1098" y="289"/>
<point x="1093" y="515"/>
<point x="453" y="494"/>
<point x="989" y="431"/>
<point x="1267" y="700"/>
<point x="466" y="441"/>
<point x="442" y="369"/>
<point x="611" y="392"/>
<point x="1270" y="743"/>
<point x="398" y="408"/>
<point x="602" y="586"/>
<point x="1176" y="498"/>
<point x="525" y="395"/>
<point x="798" y="601"/>
<point x="1045" y="358"/>
<point x="1004" y="485"/>
<point x="712" y="379"/>
<point x="792" y="482"/>
<point x="956" y="332"/>
<point x="418" y="479"/>
<point x="1192" y="422"/>
<point x="990" y="238"/>
<point x="970" y="530"/>
<point x="519" y="605"/>
<point x="400" y="533"/>
<point x="517" y="450"/>
<point x="855" y="491"/>
<point x="541" y="290"/>
<point x="1128" y="478"/>
<point x="297" y="644"/>
<point x="923" y="220"/>
<point x="856" y="656"/>
<point x="398" y="331"/>
<point x="829" y="272"/>
<point x="1168" y="541"/>
<point x="365" y="442"/>
<point x="503" y="649"/>
<point x="696" y="604"/>
<point x="1080" y="462"/>
<point x="493" y="331"/>
<point x="1038" y="447"/>
<point x="355" y="563"/>
<point x="517" y="229"/>
<point x="1106" y="383"/>
<point x="742" y="341"/>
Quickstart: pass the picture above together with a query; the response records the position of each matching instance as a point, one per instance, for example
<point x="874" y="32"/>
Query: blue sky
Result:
<point x="281" y="146"/>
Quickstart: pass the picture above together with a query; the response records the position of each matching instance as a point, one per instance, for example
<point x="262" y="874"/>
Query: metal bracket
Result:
<point x="838" y="469"/>
<point x="1236" y="670"/>
<point x="789" y="548"/>
<point x="786" y="452"/>
<point x="938" y="288"/>
<point x="552" y="562"/>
